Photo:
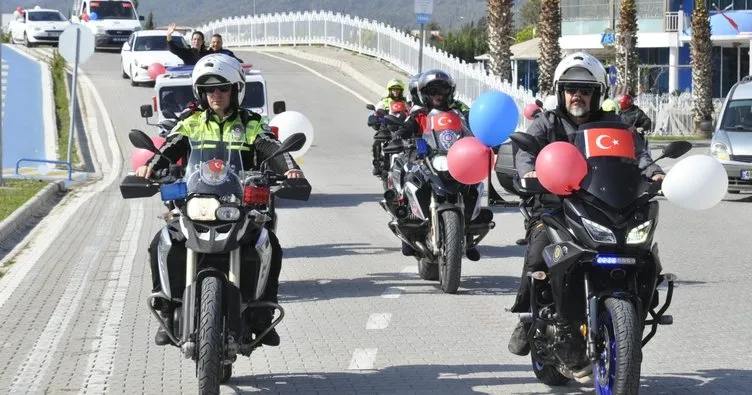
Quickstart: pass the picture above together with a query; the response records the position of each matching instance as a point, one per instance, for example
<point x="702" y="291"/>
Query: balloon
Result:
<point x="155" y="69"/>
<point x="697" y="182"/>
<point x="530" y="111"/>
<point x="140" y="156"/>
<point x="291" y="122"/>
<point x="85" y="17"/>
<point x="550" y="103"/>
<point x="493" y="118"/>
<point x="469" y="160"/>
<point x="560" y="167"/>
<point x="93" y="16"/>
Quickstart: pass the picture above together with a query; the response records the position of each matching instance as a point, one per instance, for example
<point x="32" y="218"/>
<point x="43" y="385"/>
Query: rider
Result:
<point x="395" y="89"/>
<point x="581" y="85"/>
<point x="632" y="115"/>
<point x="219" y="84"/>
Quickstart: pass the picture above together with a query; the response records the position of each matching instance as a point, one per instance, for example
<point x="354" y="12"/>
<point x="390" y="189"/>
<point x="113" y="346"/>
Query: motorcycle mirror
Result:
<point x="146" y="111"/>
<point x="294" y="142"/>
<point x="139" y="139"/>
<point x="676" y="149"/>
<point x="371" y="107"/>
<point x="526" y="142"/>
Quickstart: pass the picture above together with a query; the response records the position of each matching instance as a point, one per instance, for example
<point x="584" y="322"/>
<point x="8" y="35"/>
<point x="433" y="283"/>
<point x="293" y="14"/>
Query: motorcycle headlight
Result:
<point x="227" y="213"/>
<point x="639" y="234"/>
<point x="202" y="209"/>
<point x="598" y="232"/>
<point x="440" y="163"/>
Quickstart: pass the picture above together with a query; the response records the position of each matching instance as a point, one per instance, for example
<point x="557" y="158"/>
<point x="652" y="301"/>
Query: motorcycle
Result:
<point x="590" y="308"/>
<point x="439" y="217"/>
<point x="227" y="250"/>
<point x="389" y="123"/>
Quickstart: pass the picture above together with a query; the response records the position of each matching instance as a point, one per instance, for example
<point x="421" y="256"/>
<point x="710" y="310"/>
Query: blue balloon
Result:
<point x="93" y="16"/>
<point x="493" y="118"/>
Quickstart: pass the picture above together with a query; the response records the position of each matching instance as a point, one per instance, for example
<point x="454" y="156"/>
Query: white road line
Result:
<point x="378" y="321"/>
<point x="99" y="366"/>
<point x="39" y="359"/>
<point x="363" y="359"/>
<point x="392" y="293"/>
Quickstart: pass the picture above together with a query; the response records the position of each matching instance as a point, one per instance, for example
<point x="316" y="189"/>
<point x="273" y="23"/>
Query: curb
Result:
<point x="35" y="206"/>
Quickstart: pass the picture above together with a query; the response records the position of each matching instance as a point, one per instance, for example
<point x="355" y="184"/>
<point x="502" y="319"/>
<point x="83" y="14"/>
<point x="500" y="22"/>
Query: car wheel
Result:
<point x="26" y="41"/>
<point x="133" y="83"/>
<point x="122" y="70"/>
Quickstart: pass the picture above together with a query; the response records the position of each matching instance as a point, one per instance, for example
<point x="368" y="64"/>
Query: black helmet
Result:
<point x="434" y="82"/>
<point x="413" y="86"/>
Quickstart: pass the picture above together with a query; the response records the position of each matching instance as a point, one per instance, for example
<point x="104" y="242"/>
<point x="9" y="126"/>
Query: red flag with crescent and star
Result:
<point x="444" y="121"/>
<point x="609" y="142"/>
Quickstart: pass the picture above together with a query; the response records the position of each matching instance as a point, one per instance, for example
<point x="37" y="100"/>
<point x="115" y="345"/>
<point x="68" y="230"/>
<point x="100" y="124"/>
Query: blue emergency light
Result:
<point x="421" y="146"/>
<point x="174" y="191"/>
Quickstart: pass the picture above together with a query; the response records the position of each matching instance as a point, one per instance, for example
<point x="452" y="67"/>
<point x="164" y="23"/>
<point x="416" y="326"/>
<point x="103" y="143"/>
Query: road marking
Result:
<point x="100" y="364"/>
<point x="363" y="359"/>
<point x="33" y="370"/>
<point x="378" y="321"/>
<point x="392" y="293"/>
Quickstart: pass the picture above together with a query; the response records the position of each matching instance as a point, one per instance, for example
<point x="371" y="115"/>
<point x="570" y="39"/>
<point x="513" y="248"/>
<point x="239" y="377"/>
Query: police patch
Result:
<point x="237" y="132"/>
<point x="448" y="138"/>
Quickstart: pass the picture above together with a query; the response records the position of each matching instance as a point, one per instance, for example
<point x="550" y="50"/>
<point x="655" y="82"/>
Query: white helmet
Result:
<point x="585" y="69"/>
<point x="550" y="103"/>
<point x="218" y="69"/>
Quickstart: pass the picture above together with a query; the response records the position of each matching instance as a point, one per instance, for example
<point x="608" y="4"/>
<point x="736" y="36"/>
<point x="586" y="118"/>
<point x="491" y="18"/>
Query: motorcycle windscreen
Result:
<point x="442" y="130"/>
<point x="614" y="176"/>
<point x="215" y="168"/>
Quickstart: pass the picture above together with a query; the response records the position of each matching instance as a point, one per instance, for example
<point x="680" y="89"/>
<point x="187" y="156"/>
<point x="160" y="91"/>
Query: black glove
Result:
<point x="373" y="121"/>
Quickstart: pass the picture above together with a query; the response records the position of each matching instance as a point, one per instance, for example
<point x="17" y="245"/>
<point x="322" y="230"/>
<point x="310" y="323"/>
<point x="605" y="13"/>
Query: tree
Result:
<point x="500" y="37"/>
<point x="702" y="66"/>
<point x="149" y="25"/>
<point x="468" y="42"/>
<point x="549" y="31"/>
<point x="529" y="12"/>
<point x="627" y="57"/>
<point x="525" y="34"/>
<point x="135" y="4"/>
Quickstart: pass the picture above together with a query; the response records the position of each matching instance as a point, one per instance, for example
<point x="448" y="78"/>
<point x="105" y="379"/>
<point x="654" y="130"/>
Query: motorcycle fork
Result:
<point x="433" y="208"/>
<point x="592" y="320"/>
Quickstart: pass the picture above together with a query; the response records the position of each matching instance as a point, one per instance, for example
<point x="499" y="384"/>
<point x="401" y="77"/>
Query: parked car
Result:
<point x="732" y="140"/>
<point x="143" y="48"/>
<point x="37" y="26"/>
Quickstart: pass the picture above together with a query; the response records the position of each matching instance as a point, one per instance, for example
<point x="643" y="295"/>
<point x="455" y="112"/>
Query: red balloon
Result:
<point x="140" y="156"/>
<point x="560" y="168"/>
<point x="156" y="69"/>
<point x="469" y="160"/>
<point x="85" y="17"/>
<point x="530" y="111"/>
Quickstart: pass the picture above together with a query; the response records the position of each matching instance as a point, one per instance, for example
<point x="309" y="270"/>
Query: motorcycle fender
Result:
<point x="165" y="245"/>
<point x="449" y="207"/>
<point x="264" y="251"/>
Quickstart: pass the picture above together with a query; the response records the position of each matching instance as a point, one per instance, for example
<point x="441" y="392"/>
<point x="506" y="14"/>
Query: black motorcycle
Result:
<point x="227" y="250"/>
<point x="388" y="124"/>
<point x="590" y="308"/>
<point x="439" y="217"/>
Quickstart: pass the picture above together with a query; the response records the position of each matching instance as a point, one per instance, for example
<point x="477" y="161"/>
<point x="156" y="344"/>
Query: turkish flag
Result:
<point x="444" y="121"/>
<point x="609" y="142"/>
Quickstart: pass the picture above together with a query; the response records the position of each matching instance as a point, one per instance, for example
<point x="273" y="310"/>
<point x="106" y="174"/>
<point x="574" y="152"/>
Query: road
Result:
<point x="359" y="320"/>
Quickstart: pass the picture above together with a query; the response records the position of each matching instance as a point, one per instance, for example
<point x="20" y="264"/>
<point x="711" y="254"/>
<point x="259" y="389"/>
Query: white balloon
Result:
<point x="697" y="182"/>
<point x="550" y="103"/>
<point x="291" y="122"/>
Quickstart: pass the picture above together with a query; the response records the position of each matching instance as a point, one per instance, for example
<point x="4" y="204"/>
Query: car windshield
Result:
<point x="738" y="116"/>
<point x="153" y="43"/>
<point x="46" y="16"/>
<point x="176" y="98"/>
<point x="113" y="9"/>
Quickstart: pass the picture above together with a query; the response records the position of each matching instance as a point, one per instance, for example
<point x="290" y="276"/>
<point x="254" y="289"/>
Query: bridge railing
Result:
<point x="363" y="36"/>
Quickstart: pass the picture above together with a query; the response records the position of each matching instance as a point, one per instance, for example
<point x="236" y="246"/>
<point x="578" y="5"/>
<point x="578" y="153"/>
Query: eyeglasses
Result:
<point x="584" y="90"/>
<point x="222" y="88"/>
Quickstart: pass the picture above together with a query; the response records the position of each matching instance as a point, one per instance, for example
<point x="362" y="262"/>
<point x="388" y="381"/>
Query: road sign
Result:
<point x="423" y="19"/>
<point x="69" y="44"/>
<point x="424" y="7"/>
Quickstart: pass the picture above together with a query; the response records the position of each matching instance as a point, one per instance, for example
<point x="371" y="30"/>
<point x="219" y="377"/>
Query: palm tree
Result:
<point x="500" y="38"/>
<point x="627" y="57"/>
<point x="702" y="66"/>
<point x="549" y="31"/>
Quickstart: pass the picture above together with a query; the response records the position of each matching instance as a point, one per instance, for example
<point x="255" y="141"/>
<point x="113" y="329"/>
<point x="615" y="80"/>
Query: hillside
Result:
<point x="449" y="14"/>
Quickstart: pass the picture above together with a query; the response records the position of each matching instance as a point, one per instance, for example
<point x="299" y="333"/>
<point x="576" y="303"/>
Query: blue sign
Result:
<point x="608" y="39"/>
<point x="612" y="75"/>
<point x="423" y="19"/>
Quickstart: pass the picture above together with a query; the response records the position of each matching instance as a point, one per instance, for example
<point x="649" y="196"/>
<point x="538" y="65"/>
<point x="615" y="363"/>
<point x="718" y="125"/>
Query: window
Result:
<point x="154" y="43"/>
<point x="113" y="9"/>
<point x="45" y="16"/>
<point x="738" y="116"/>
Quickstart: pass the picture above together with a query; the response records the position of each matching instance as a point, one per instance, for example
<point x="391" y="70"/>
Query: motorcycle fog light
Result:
<point x="440" y="163"/>
<point x="598" y="232"/>
<point x="639" y="234"/>
<point x="228" y="213"/>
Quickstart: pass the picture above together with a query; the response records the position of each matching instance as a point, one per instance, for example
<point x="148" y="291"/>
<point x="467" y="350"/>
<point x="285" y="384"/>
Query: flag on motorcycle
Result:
<point x="609" y="142"/>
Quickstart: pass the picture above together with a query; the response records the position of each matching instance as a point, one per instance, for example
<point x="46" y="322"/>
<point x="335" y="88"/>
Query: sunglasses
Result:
<point x="586" y="91"/>
<point x="222" y="88"/>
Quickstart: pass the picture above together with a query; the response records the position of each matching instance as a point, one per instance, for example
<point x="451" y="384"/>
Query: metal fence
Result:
<point x="401" y="50"/>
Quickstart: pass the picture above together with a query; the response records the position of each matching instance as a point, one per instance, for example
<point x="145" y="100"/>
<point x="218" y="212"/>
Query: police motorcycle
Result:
<point x="226" y="248"/>
<point x="388" y="123"/>
<point x="591" y="307"/>
<point x="439" y="217"/>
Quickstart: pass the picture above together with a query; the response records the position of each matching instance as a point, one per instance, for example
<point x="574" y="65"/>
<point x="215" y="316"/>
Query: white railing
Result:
<point x="366" y="37"/>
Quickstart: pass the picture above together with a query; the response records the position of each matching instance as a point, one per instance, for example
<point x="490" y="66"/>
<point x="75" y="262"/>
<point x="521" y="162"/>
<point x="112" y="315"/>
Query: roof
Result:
<point x="742" y="91"/>
<point x="527" y="50"/>
<point x="183" y="72"/>
<point x="155" y="32"/>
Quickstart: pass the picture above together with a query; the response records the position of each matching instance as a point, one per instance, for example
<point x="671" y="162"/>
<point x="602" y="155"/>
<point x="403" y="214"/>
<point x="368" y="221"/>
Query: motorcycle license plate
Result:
<point x="746" y="175"/>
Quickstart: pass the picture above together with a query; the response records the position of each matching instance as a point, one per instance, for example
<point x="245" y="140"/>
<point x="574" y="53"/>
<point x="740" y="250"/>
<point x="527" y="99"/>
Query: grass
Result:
<point x="62" y="107"/>
<point x="5" y="38"/>
<point x="16" y="193"/>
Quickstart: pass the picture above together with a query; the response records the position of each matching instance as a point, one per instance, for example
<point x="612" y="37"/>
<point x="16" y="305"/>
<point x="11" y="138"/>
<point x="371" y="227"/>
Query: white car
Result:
<point x="143" y="48"/>
<point x="37" y="26"/>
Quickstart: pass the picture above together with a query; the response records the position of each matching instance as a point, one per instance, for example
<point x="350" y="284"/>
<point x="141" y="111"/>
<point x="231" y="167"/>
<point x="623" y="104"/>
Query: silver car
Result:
<point x="732" y="140"/>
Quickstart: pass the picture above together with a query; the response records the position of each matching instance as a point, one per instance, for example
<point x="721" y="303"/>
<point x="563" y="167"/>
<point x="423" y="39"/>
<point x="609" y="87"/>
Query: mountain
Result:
<point x="449" y="14"/>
